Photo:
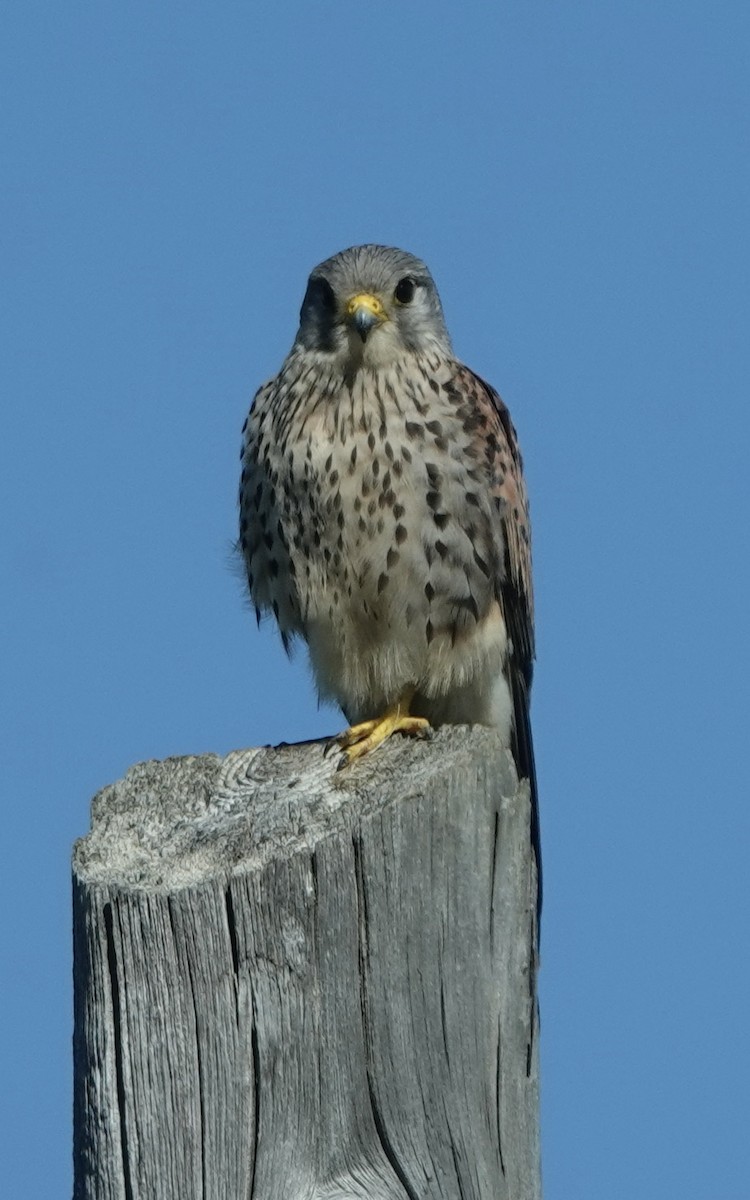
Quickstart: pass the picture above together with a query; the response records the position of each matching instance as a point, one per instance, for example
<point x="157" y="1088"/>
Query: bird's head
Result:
<point x="370" y="305"/>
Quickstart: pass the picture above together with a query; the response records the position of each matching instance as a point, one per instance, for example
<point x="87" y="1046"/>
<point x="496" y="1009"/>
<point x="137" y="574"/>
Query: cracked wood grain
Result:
<point x="292" y="982"/>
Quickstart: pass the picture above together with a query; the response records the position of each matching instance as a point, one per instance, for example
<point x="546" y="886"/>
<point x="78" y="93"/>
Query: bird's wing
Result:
<point x="497" y="448"/>
<point x="255" y="542"/>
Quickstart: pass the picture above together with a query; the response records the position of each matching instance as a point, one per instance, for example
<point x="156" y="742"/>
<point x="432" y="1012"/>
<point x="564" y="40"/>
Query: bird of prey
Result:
<point x="383" y="513"/>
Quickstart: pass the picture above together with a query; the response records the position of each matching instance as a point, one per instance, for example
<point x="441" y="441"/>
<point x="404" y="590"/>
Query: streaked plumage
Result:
<point x="384" y="516"/>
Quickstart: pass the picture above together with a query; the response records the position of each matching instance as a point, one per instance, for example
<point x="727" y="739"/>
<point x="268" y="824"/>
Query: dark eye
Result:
<point x="405" y="289"/>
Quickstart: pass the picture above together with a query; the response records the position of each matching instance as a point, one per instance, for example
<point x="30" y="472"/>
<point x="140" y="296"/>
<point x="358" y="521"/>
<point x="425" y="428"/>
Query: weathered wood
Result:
<point x="296" y="983"/>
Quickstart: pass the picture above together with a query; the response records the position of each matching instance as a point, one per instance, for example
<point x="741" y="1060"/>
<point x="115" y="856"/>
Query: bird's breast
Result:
<point x="369" y="530"/>
<point x="379" y="511"/>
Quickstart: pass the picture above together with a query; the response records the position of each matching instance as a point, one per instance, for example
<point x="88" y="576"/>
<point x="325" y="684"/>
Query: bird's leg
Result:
<point x="367" y="735"/>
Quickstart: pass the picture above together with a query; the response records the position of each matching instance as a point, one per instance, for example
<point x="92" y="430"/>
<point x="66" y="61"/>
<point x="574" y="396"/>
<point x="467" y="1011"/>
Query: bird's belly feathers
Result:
<point x="379" y="546"/>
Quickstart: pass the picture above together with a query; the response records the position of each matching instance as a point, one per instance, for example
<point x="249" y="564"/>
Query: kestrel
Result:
<point x="383" y="513"/>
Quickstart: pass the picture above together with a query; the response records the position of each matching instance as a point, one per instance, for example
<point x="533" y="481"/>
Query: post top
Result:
<point x="176" y="822"/>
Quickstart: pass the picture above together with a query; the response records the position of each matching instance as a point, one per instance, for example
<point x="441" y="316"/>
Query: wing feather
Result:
<point x="500" y="452"/>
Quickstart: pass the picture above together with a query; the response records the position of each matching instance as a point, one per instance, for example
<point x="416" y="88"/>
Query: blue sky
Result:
<point x="577" y="177"/>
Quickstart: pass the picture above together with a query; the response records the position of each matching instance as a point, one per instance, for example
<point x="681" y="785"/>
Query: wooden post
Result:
<point x="292" y="982"/>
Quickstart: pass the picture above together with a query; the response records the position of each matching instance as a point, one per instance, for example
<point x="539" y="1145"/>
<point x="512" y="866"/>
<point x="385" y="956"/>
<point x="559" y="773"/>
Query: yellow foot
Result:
<point x="361" y="739"/>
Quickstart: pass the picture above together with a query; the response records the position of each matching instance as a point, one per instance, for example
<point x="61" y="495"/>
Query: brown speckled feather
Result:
<point x="498" y="444"/>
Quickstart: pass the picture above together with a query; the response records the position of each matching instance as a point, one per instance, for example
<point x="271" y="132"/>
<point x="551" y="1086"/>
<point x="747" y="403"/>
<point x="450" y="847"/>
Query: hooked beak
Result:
<point x="364" y="312"/>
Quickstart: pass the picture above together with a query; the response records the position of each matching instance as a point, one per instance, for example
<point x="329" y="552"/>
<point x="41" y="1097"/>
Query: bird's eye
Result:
<point x="405" y="289"/>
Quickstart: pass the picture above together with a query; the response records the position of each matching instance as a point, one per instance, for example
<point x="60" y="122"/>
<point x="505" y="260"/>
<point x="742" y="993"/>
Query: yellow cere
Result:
<point x="368" y="301"/>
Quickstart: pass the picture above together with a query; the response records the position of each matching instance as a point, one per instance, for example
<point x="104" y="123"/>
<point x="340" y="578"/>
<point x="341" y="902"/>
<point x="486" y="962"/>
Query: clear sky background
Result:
<point x="577" y="176"/>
